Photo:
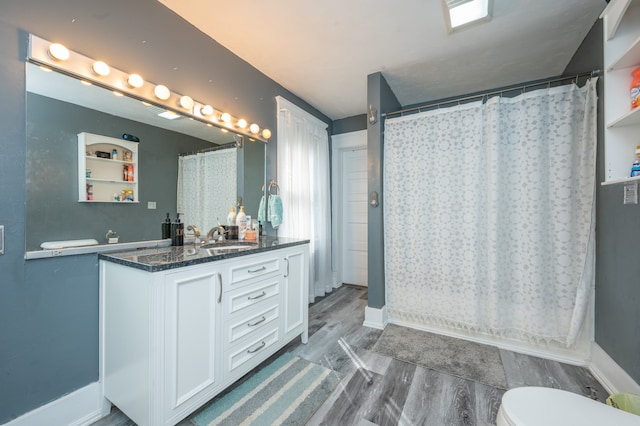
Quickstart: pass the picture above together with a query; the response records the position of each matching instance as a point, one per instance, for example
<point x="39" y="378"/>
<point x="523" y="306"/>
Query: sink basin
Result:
<point x="227" y="247"/>
<point x="231" y="245"/>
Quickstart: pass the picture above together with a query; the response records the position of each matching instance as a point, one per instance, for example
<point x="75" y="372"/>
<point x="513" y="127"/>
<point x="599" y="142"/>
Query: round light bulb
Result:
<point x="206" y="110"/>
<point x="266" y="133"/>
<point x="242" y="123"/>
<point x="135" y="80"/>
<point x="101" y="68"/>
<point x="254" y="128"/>
<point x="162" y="92"/>
<point x="186" y="102"/>
<point x="58" y="51"/>
<point x="226" y="117"/>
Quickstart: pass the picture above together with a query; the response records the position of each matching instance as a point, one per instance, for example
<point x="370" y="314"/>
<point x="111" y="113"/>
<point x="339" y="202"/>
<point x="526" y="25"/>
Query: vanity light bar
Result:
<point x="58" y="57"/>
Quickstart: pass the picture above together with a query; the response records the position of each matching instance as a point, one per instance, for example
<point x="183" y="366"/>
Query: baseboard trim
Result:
<point x="610" y="374"/>
<point x="79" y="408"/>
<point x="375" y="317"/>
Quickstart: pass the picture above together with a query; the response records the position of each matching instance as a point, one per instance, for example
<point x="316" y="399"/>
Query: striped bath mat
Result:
<point x="286" y="392"/>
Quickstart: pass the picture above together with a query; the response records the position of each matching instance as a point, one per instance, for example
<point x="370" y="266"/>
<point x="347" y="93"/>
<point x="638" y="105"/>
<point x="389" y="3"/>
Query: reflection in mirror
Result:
<point x="60" y="107"/>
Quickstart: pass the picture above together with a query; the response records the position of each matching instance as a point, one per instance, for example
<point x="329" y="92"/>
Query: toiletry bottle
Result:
<point x="166" y="228"/>
<point x="241" y="222"/>
<point x="635" y="167"/>
<point x="231" y="217"/>
<point x="114" y="154"/>
<point x="177" y="232"/>
<point x="635" y="88"/>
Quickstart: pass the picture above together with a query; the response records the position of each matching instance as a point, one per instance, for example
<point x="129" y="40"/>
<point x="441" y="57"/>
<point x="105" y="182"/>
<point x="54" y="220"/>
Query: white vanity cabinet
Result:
<point x="173" y="339"/>
<point x="296" y="294"/>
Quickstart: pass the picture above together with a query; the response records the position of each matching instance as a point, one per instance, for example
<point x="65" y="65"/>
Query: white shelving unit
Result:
<point x="106" y="176"/>
<point x="621" y="57"/>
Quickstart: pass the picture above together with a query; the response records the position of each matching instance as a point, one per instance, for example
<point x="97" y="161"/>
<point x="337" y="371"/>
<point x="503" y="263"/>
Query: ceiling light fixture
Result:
<point x="169" y="115"/>
<point x="58" y="52"/>
<point x="100" y="68"/>
<point x="462" y="13"/>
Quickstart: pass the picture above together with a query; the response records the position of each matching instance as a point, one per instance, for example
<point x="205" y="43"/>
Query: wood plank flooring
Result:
<point x="379" y="390"/>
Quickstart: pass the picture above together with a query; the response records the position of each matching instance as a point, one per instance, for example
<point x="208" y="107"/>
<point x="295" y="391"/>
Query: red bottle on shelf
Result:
<point x="635" y="88"/>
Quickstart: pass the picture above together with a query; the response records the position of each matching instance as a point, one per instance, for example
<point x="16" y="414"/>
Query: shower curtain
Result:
<point x="489" y="215"/>
<point x="207" y="187"/>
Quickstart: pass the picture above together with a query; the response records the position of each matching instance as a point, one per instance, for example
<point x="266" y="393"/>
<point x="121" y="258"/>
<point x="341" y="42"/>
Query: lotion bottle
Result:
<point x="231" y="217"/>
<point x="241" y="222"/>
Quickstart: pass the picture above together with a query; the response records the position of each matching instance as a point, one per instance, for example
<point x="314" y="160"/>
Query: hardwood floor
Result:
<point x="379" y="390"/>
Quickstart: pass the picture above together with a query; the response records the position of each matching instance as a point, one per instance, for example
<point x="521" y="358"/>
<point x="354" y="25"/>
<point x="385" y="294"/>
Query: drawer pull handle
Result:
<point x="263" y="319"/>
<point x="287" y="274"/>
<point x="252" y="351"/>
<point x="263" y="294"/>
<point x="220" y="283"/>
<point x="253" y="271"/>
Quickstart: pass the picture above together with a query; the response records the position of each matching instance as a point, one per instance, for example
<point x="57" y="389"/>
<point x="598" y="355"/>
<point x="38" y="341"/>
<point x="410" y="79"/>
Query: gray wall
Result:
<point x="617" y="322"/>
<point x="350" y="124"/>
<point x="381" y="97"/>
<point x="53" y="211"/>
<point x="49" y="308"/>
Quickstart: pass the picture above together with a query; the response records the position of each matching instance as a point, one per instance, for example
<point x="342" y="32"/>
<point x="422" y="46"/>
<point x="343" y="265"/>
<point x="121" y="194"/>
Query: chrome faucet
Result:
<point x="216" y="233"/>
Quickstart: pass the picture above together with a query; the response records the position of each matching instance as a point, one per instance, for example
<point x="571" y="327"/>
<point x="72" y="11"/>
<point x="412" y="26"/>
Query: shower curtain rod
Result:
<point x="215" y="148"/>
<point x="522" y="87"/>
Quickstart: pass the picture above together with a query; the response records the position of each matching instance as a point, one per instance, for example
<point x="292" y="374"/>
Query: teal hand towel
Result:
<point x="275" y="211"/>
<point x="262" y="216"/>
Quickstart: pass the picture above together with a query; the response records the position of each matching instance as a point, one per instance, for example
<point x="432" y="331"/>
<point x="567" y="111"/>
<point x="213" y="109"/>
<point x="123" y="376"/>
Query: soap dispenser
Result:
<point x="177" y="232"/>
<point x="166" y="228"/>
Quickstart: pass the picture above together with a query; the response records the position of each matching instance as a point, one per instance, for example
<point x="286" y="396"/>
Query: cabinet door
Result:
<point x="296" y="292"/>
<point x="191" y="337"/>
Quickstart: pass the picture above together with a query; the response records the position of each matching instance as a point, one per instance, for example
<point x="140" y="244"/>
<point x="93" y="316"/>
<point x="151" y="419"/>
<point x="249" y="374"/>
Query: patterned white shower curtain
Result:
<point x="207" y="187"/>
<point x="489" y="215"/>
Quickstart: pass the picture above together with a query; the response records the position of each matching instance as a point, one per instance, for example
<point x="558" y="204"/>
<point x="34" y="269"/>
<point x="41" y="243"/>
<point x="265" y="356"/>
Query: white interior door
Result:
<point x="354" y="216"/>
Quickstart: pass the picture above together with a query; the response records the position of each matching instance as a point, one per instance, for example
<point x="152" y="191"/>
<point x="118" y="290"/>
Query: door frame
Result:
<point x="339" y="144"/>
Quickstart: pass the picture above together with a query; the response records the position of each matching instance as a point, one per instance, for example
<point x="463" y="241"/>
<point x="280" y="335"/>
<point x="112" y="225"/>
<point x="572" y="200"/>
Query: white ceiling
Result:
<point x="323" y="51"/>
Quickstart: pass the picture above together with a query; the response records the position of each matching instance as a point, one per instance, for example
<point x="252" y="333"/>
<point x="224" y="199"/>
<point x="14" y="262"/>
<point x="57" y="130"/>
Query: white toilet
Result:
<point x="537" y="406"/>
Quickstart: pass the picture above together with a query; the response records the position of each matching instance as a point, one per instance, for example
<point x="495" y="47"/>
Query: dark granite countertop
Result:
<point x="163" y="258"/>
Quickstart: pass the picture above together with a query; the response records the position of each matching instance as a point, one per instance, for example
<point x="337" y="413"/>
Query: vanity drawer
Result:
<point x="251" y="322"/>
<point x="238" y="360"/>
<point x="257" y="267"/>
<point x="255" y="294"/>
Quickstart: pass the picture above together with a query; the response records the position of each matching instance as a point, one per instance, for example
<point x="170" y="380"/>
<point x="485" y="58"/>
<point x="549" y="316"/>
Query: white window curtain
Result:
<point x="303" y="178"/>
<point x="489" y="215"/>
<point x="207" y="187"/>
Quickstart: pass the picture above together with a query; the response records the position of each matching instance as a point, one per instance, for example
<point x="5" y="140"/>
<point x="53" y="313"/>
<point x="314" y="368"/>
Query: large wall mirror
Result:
<point x="60" y="107"/>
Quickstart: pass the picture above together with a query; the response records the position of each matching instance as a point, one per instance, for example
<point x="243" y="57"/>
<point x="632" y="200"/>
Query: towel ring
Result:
<point x="272" y="185"/>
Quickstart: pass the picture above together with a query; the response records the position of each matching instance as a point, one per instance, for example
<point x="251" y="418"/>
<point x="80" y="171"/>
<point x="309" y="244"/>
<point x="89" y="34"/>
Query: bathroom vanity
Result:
<point x="180" y="324"/>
